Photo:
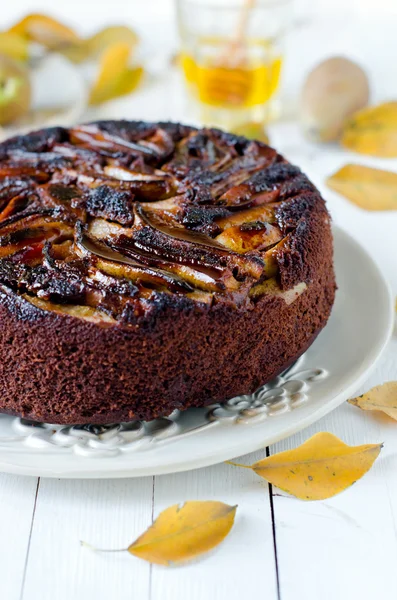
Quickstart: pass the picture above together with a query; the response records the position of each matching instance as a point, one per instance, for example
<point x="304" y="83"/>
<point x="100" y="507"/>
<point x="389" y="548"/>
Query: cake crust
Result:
<point x="151" y="267"/>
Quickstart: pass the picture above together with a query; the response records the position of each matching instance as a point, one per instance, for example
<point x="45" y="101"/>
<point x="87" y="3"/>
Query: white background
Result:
<point x="343" y="548"/>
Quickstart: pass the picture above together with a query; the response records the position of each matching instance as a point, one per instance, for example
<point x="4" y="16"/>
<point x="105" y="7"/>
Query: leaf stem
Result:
<point x="234" y="464"/>
<point x="89" y="547"/>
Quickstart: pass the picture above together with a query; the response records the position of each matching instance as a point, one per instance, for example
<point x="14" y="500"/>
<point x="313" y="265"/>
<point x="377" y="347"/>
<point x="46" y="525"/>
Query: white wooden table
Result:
<point x="280" y="547"/>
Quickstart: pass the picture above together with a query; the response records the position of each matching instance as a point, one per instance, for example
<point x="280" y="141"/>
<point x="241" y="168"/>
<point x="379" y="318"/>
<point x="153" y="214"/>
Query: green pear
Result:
<point x="15" y="91"/>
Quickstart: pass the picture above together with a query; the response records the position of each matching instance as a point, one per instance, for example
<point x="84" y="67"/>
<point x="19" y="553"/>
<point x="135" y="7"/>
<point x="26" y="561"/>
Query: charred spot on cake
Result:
<point x="254" y="226"/>
<point x="292" y="259"/>
<point x="296" y="186"/>
<point x="18" y="306"/>
<point x="201" y="146"/>
<point x="293" y="210"/>
<point x="64" y="193"/>
<point x="202" y="218"/>
<point x="123" y="139"/>
<point x="123" y="288"/>
<point x="266" y="180"/>
<point x="42" y="140"/>
<point x="162" y="304"/>
<point x="230" y="140"/>
<point x="11" y="273"/>
<point x="128" y="130"/>
<point x="46" y="162"/>
<point x="177" y="131"/>
<point x="135" y="130"/>
<point x="105" y="201"/>
<point x="153" y="245"/>
<point x="11" y="187"/>
<point x="59" y="286"/>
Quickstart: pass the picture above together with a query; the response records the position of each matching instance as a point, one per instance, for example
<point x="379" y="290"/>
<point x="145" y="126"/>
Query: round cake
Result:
<point x="148" y="267"/>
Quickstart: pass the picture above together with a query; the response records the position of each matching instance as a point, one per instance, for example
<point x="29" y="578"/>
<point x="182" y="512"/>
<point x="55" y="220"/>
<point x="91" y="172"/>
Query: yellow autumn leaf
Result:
<point x="111" y="35"/>
<point x="92" y="47"/>
<point x="13" y="45"/>
<point x="381" y="397"/>
<point x="318" y="469"/>
<point x="252" y="130"/>
<point x="115" y="77"/>
<point x="371" y="189"/>
<point x="181" y="533"/>
<point x="77" y="52"/>
<point x="45" y="30"/>
<point x="373" y="131"/>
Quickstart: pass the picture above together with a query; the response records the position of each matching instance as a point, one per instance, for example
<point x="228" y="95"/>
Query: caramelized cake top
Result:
<point x="102" y="221"/>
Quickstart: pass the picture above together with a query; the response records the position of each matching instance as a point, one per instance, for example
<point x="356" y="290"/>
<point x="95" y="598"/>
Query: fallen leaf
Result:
<point x="371" y="189"/>
<point x="181" y="533"/>
<point x="92" y="47"/>
<point x="381" y="397"/>
<point x="373" y="131"/>
<point x="77" y="52"/>
<point x="115" y="77"/>
<point x="14" y="46"/>
<point x="318" y="469"/>
<point x="253" y="130"/>
<point x="45" y="30"/>
<point x="111" y="35"/>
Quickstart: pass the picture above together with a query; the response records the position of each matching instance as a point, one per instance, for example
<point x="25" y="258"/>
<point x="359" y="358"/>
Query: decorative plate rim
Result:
<point x="285" y="392"/>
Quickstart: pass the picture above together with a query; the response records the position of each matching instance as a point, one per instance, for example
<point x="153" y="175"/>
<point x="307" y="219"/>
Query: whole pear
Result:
<point x="333" y="91"/>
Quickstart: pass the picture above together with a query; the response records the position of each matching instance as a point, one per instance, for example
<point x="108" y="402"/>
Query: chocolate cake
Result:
<point x="147" y="267"/>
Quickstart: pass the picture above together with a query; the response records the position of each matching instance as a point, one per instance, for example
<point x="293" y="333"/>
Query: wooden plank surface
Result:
<point x="104" y="513"/>
<point x="346" y="546"/>
<point x="17" y="502"/>
<point x="227" y="573"/>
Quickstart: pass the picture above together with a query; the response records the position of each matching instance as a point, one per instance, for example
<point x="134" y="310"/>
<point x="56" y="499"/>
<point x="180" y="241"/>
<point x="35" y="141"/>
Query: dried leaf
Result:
<point x="371" y="189"/>
<point x="77" y="52"/>
<point x="181" y="533"/>
<point x="92" y="47"/>
<point x="111" y="35"/>
<point x="318" y="469"/>
<point x="253" y="130"/>
<point x="45" y="30"/>
<point x="13" y="45"/>
<point x="381" y="397"/>
<point x="115" y="77"/>
<point x="373" y="131"/>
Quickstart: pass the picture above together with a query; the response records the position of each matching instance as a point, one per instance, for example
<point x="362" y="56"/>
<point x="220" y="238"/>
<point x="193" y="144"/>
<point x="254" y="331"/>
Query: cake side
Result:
<point x="148" y="267"/>
<point x="71" y="372"/>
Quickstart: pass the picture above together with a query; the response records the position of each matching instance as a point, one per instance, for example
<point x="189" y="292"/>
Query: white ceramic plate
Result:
<point x="330" y="371"/>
